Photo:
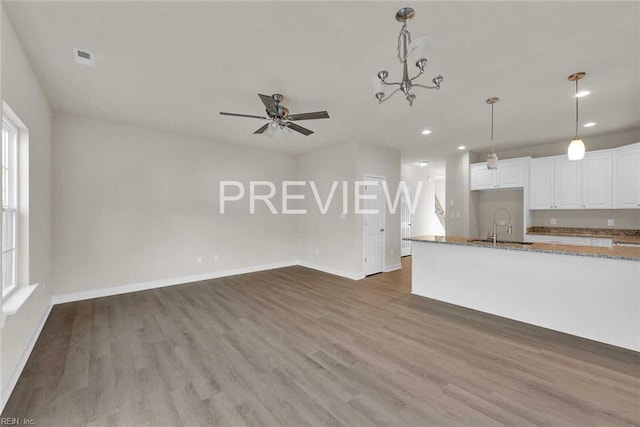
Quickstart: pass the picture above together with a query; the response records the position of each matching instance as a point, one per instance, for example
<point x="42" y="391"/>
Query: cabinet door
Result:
<point x="568" y="188"/>
<point x="541" y="184"/>
<point x="626" y="181"/>
<point x="482" y="178"/>
<point x="511" y="174"/>
<point x="597" y="181"/>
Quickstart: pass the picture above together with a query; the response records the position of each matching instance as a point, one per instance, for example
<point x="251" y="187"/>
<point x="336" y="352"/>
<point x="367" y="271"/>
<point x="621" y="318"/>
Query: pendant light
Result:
<point x="576" y="148"/>
<point x="492" y="159"/>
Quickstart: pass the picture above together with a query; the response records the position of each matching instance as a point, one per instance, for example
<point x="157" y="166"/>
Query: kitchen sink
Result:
<point x="500" y="242"/>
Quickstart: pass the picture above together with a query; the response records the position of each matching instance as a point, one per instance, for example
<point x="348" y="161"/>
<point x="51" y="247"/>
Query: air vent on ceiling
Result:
<point x="84" y="57"/>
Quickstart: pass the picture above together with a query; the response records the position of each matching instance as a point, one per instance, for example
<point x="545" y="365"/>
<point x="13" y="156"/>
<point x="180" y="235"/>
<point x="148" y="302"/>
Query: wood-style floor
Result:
<point x="298" y="347"/>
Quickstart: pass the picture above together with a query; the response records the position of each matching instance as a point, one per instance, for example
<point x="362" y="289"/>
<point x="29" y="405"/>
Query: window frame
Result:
<point x="10" y="204"/>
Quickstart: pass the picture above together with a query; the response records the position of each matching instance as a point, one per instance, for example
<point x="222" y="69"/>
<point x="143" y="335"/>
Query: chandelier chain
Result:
<point x="402" y="56"/>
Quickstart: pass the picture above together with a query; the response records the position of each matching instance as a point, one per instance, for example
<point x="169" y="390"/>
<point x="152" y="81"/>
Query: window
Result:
<point x="9" y="205"/>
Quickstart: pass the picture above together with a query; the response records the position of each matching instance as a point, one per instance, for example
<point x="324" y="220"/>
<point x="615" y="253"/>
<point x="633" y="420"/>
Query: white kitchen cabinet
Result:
<point x="626" y="177"/>
<point x="597" y="180"/>
<point x="483" y="178"/>
<point x="541" y="183"/>
<point x="511" y="173"/>
<point x="567" y="183"/>
<point x="555" y="183"/>
<point x="559" y="183"/>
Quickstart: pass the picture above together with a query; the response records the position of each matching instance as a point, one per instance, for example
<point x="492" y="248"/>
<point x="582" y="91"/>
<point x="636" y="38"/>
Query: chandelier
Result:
<point x="408" y="50"/>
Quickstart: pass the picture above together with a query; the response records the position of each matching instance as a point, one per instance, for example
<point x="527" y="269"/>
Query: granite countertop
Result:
<point x="613" y="252"/>
<point x="616" y="235"/>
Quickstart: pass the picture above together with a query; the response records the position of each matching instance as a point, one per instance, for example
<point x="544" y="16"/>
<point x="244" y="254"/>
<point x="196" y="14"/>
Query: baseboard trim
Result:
<point x="392" y="267"/>
<point x="330" y="270"/>
<point x="143" y="286"/>
<point x="8" y="387"/>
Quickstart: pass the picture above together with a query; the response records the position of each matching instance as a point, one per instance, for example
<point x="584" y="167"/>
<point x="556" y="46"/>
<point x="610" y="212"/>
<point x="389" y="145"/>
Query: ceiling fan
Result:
<point x="279" y="116"/>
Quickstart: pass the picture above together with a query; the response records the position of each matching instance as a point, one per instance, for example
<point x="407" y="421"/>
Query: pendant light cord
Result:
<point x="576" y="137"/>
<point x="492" y="150"/>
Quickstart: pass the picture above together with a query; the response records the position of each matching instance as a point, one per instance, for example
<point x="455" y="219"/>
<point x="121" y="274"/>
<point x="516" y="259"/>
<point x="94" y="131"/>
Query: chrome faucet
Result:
<point x="496" y="225"/>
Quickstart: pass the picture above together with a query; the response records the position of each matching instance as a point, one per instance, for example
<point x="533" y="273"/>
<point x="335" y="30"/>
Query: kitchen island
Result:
<point x="591" y="292"/>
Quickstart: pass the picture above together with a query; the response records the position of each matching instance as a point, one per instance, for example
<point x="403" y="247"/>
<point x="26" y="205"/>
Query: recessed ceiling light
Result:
<point x="423" y="163"/>
<point x="462" y="147"/>
<point x="589" y="125"/>
<point x="426" y="132"/>
<point x="582" y="93"/>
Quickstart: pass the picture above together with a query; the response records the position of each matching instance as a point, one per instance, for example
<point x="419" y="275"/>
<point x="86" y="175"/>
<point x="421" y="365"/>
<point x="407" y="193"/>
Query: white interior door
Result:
<point x="406" y="221"/>
<point x="373" y="225"/>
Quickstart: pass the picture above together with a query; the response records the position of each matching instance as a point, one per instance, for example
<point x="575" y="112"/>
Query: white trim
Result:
<point x="8" y="387"/>
<point x="392" y="267"/>
<point x="384" y="225"/>
<point x="330" y="270"/>
<point x="12" y="302"/>
<point x="135" y="287"/>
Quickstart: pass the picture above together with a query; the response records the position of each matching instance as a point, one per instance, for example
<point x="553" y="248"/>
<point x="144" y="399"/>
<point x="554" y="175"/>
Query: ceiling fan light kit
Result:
<point x="408" y="50"/>
<point x="279" y="117"/>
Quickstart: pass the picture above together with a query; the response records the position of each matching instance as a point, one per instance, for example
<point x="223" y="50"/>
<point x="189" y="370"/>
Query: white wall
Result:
<point x="22" y="92"/>
<point x="381" y="161"/>
<point x="425" y="222"/>
<point x="486" y="204"/>
<point x="598" y="142"/>
<point x="329" y="240"/>
<point x="332" y="241"/>
<point x="589" y="218"/>
<point x="459" y="207"/>
<point x="133" y="205"/>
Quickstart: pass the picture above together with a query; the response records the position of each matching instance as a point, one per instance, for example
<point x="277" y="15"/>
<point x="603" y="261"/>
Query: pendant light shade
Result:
<point x="492" y="159"/>
<point x="576" y="147"/>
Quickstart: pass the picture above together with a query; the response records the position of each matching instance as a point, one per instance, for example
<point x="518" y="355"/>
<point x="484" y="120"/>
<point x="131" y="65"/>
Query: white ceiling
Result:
<point x="175" y="65"/>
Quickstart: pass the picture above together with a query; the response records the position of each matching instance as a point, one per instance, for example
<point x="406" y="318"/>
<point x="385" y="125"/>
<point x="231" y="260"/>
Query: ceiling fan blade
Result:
<point x="300" y="129"/>
<point x="242" y="115"/>
<point x="309" y="116"/>
<point x="262" y="129"/>
<point x="269" y="103"/>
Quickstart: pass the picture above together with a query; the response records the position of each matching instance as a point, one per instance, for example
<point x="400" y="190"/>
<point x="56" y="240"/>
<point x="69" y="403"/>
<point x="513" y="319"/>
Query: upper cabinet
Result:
<point x="626" y="177"/>
<point x="511" y="173"/>
<point x="597" y="180"/>
<point x="542" y="183"/>
<point x="560" y="183"/>
<point x="555" y="183"/>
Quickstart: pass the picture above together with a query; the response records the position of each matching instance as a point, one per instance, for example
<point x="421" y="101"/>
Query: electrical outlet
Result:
<point x="216" y="258"/>
<point x="317" y="251"/>
<point x="554" y="221"/>
<point x="199" y="260"/>
<point x="611" y="222"/>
